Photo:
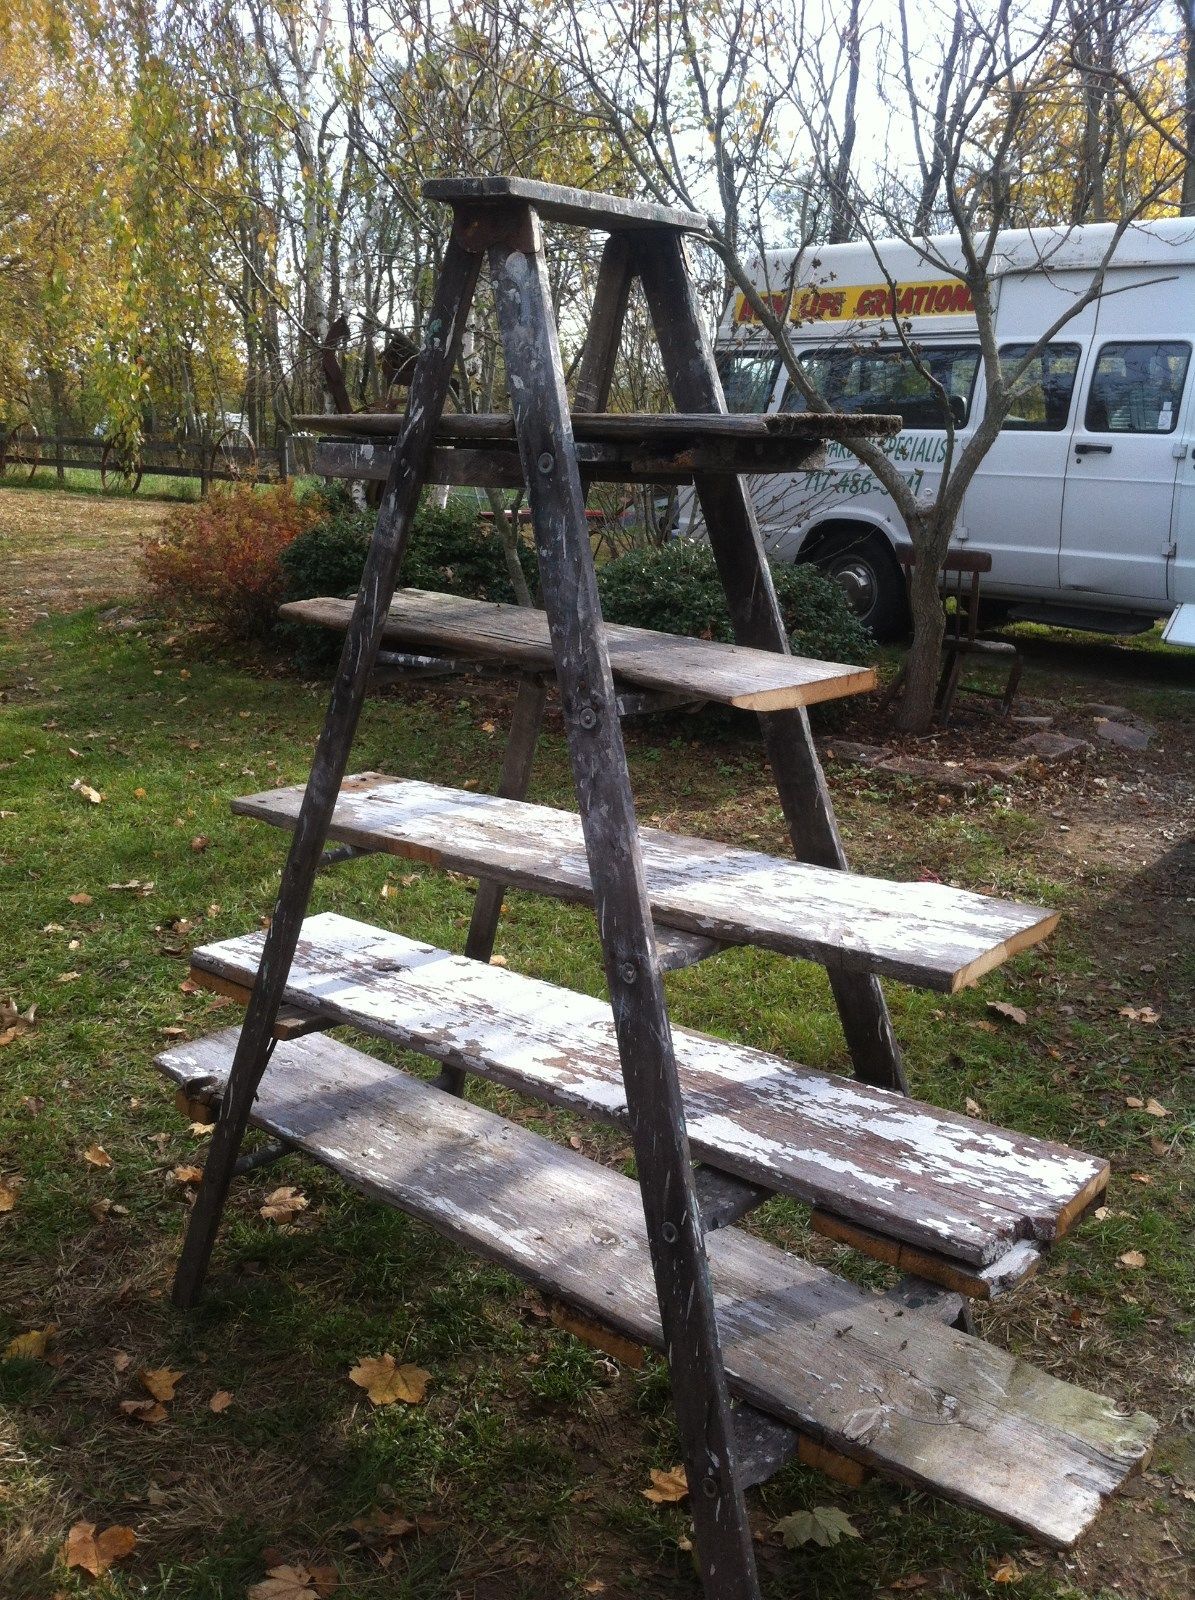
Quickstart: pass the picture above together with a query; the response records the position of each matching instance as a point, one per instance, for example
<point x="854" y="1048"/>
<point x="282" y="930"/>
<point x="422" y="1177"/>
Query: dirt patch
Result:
<point x="62" y="552"/>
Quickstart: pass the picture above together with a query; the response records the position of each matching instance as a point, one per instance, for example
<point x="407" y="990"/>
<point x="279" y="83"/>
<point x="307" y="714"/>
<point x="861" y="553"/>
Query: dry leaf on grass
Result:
<point x="149" y="1411"/>
<point x="1145" y="1014"/>
<point x="1006" y="1571"/>
<point x="285" y="1583"/>
<point x="80" y="899"/>
<point x="220" y="1401"/>
<point x="384" y="1381"/>
<point x="161" y="1382"/>
<point x="95" y="1155"/>
<point x="382" y="1527"/>
<point x="283" y="1205"/>
<point x="824" y="1525"/>
<point x="1009" y="1012"/>
<point x="8" y="1193"/>
<point x="121" y="1360"/>
<point x="93" y="796"/>
<point x="187" y="1174"/>
<point x="667" y="1487"/>
<point x="14" y="1022"/>
<point x="200" y="843"/>
<point x="94" y="1552"/>
<point x="1132" y="1259"/>
<point x="972" y="1107"/>
<point x="30" y="1346"/>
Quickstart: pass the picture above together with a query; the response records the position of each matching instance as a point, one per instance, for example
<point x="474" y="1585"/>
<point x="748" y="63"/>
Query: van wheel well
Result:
<point x="860" y="559"/>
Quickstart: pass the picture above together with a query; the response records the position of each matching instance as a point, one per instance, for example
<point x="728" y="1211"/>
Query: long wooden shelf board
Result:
<point x="584" y="208"/>
<point x="887" y="1387"/>
<point x="604" y="427"/>
<point x="949" y="1184"/>
<point x="731" y="674"/>
<point x="926" y="934"/>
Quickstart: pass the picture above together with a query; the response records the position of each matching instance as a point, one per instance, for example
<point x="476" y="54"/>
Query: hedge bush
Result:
<point x="451" y="550"/>
<point x="674" y="588"/>
<point x="219" y="560"/>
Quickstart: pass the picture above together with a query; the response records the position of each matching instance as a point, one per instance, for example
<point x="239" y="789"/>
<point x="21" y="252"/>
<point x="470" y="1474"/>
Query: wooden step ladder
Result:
<point x="769" y="1356"/>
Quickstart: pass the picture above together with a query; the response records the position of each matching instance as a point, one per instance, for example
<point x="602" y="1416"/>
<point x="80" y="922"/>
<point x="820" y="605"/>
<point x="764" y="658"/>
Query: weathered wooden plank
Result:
<point x="949" y="1184"/>
<point x="926" y="934"/>
<point x="557" y="203"/>
<point x="853" y="1371"/>
<point x="705" y="669"/>
<point x="641" y="429"/>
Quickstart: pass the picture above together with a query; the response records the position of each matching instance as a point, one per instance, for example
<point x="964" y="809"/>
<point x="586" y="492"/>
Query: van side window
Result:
<point x="887" y="380"/>
<point x="1041" y="401"/>
<point x="1137" y="388"/>
<point x="748" y="378"/>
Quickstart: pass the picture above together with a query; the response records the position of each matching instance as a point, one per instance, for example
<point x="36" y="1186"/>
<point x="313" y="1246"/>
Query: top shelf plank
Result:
<point x="700" y="669"/>
<point x="644" y="429"/>
<point x="556" y="203"/>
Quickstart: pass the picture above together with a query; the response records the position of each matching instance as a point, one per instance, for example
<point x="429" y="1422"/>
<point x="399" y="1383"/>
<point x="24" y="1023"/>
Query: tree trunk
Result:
<point x="840" y="207"/>
<point x="923" y="664"/>
<point x="1187" y="11"/>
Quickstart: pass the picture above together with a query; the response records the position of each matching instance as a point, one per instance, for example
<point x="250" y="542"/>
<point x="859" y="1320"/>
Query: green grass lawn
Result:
<point x="523" y="1469"/>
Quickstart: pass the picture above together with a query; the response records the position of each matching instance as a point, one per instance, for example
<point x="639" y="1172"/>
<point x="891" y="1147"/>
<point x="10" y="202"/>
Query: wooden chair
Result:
<point x="961" y="572"/>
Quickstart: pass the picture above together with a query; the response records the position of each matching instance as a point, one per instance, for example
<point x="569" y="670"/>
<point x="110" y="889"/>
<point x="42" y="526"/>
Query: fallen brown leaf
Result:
<point x="8" y="1193"/>
<point x="667" y="1487"/>
<point x="285" y="1583"/>
<point x="1010" y="1013"/>
<point x="121" y="1360"/>
<point x="187" y="1174"/>
<point x="80" y="899"/>
<point x="1145" y="1014"/>
<point x="30" y="1346"/>
<point x="95" y="1553"/>
<point x="150" y="1411"/>
<point x="220" y="1401"/>
<point x="1006" y="1571"/>
<point x="161" y="1382"/>
<point x="972" y="1107"/>
<point x="384" y="1381"/>
<point x="1132" y="1258"/>
<point x="97" y="1156"/>
<point x="88" y="793"/>
<point x="200" y="843"/>
<point x="382" y="1527"/>
<point x="283" y="1205"/>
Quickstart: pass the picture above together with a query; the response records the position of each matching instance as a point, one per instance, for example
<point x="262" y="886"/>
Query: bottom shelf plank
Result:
<point x="850" y="1370"/>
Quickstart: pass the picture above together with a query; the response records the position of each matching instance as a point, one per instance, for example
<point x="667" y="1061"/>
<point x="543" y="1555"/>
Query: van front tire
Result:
<point x="861" y="562"/>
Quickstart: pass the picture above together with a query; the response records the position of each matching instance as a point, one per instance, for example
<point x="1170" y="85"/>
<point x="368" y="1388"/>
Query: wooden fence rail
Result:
<point x="229" y="459"/>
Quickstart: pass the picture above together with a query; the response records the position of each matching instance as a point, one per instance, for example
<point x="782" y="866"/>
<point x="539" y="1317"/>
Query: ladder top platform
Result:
<point x="557" y="203"/>
<point x="642" y="429"/>
<point x="927" y="934"/>
<point x="851" y="1370"/>
<point x="951" y="1185"/>
<point x="699" y="669"/>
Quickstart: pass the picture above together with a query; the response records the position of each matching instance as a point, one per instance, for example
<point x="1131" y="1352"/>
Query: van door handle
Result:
<point x="1093" y="449"/>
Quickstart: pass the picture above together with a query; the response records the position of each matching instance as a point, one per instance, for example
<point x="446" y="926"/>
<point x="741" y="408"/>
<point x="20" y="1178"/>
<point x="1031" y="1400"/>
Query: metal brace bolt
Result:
<point x="669" y="1232"/>
<point x="709" y="1488"/>
<point x="628" y="972"/>
<point x="587" y="717"/>
<point x="546" y="461"/>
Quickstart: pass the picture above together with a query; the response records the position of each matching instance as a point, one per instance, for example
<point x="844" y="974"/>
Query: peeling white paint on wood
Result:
<point x="705" y="669"/>
<point x="922" y="933"/>
<point x="895" y="1390"/>
<point x="950" y="1184"/>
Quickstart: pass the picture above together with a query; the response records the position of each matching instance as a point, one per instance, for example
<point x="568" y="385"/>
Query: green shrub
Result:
<point x="675" y="589"/>
<point x="451" y="550"/>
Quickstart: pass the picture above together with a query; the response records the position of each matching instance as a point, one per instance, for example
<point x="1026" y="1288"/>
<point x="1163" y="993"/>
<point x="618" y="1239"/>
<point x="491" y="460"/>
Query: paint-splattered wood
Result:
<point x="755" y="680"/>
<point x="642" y="428"/>
<point x="926" y="934"/>
<point x="953" y="1185"/>
<point x="884" y="1386"/>
<point x="555" y="202"/>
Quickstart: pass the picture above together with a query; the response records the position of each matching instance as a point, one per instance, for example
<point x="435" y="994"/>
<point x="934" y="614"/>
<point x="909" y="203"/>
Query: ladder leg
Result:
<point x="525" y="724"/>
<point x="454" y="293"/>
<point x="674" y="1227"/>
<point x="738" y="550"/>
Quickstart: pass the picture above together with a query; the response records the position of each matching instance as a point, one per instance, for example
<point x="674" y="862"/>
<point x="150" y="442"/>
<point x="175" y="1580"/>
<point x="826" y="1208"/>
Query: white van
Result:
<point x="1087" y="499"/>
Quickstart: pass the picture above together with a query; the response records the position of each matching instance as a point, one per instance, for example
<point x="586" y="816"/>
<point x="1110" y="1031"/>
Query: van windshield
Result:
<point x="748" y="378"/>
<point x="887" y="381"/>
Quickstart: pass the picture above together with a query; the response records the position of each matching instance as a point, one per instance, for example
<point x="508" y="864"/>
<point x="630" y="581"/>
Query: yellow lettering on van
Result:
<point x="862" y="302"/>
